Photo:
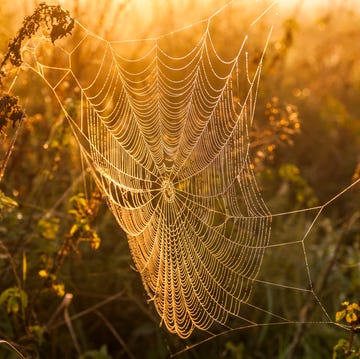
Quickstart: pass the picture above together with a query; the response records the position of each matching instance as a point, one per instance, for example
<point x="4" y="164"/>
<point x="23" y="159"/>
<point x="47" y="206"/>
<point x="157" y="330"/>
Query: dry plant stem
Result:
<point x="12" y="348"/>
<point x="12" y="263"/>
<point x="9" y="151"/>
<point x="65" y="303"/>
<point x="115" y="333"/>
<point x="351" y="340"/>
<point x="144" y="309"/>
<point x="71" y="330"/>
<point x="61" y="254"/>
<point x="87" y="311"/>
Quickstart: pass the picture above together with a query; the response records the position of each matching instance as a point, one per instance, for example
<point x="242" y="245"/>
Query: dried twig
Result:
<point x="12" y="348"/>
<point x="89" y="310"/>
<point x="116" y="334"/>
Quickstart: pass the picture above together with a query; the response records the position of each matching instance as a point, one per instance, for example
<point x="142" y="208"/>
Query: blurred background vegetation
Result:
<point x="306" y="149"/>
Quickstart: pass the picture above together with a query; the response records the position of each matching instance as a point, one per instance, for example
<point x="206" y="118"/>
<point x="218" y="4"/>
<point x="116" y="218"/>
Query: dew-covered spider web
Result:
<point x="164" y="122"/>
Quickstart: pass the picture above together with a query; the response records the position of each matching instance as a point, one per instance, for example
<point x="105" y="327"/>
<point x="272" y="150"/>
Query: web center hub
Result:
<point x="168" y="190"/>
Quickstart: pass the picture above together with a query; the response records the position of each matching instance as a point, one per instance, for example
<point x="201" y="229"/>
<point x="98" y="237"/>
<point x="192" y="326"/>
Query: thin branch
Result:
<point x="12" y="263"/>
<point x="12" y="348"/>
<point x="87" y="311"/>
<point x="71" y="330"/>
<point x="65" y="303"/>
<point x="10" y="150"/>
<point x="115" y="334"/>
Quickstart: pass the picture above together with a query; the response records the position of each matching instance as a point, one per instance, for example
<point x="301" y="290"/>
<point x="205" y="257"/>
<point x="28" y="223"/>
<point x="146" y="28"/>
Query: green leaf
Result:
<point x="49" y="227"/>
<point x="23" y="299"/>
<point x="15" y="300"/>
<point x="102" y="353"/>
<point x="6" y="203"/>
<point x="38" y="332"/>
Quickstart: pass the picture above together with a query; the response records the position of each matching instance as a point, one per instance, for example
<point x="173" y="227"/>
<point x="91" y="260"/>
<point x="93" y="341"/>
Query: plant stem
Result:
<point x="351" y="340"/>
<point x="13" y="348"/>
<point x="9" y="151"/>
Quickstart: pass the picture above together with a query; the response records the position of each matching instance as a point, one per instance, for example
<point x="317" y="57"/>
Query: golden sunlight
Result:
<point x="185" y="167"/>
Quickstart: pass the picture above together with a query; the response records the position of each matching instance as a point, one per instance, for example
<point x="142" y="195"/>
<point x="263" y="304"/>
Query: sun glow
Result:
<point x="134" y="19"/>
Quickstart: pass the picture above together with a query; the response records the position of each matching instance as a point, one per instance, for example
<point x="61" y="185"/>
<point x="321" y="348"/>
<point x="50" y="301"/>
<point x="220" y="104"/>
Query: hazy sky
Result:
<point x="312" y="3"/>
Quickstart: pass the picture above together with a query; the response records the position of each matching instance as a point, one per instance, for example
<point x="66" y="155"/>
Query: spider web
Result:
<point x="166" y="131"/>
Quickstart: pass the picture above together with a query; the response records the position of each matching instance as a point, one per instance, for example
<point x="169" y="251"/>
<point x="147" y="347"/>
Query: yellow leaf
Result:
<point x="73" y="229"/>
<point x="24" y="266"/>
<point x="95" y="243"/>
<point x="344" y="304"/>
<point x="59" y="289"/>
<point x="43" y="273"/>
<point x="340" y="315"/>
<point x="13" y="305"/>
<point x="351" y="317"/>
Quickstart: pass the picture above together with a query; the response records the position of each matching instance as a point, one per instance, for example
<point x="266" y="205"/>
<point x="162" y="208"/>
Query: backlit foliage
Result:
<point x="350" y="314"/>
<point x="305" y="149"/>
